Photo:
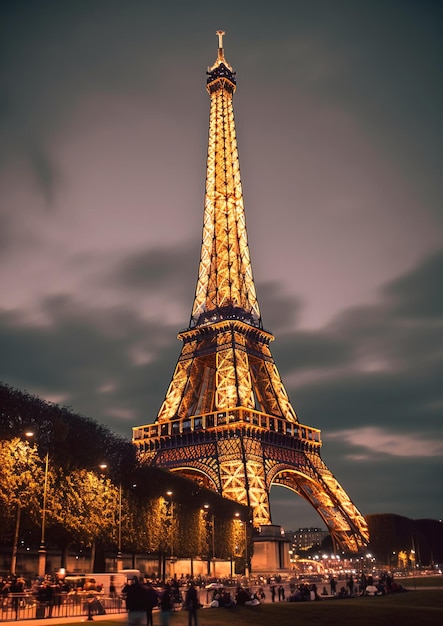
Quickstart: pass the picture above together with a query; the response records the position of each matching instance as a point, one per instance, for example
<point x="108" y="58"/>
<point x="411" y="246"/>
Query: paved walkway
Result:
<point x="74" y="619"/>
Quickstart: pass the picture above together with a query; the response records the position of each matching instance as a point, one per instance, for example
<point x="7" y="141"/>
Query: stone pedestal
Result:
<point x="271" y="551"/>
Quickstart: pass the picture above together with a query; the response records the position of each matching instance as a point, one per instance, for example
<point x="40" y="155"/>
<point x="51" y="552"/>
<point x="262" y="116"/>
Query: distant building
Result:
<point x="304" y="538"/>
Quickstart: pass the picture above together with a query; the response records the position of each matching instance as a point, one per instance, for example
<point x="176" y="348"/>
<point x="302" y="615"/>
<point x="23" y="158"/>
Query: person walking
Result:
<point x="192" y="604"/>
<point x="166" y="605"/>
<point x="136" y="602"/>
<point x="152" y="601"/>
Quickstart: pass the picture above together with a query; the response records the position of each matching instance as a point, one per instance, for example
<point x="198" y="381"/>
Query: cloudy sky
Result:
<point x="104" y="121"/>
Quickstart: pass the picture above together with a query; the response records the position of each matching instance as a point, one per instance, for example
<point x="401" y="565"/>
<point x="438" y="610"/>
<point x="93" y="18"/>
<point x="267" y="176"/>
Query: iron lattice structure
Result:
<point x="226" y="420"/>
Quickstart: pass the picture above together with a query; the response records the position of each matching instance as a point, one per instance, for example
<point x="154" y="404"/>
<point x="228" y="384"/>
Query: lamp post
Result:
<point x="42" y="549"/>
<point x="104" y="466"/>
<point x="172" y="559"/>
<point x="246" y="550"/>
<point x="207" y="507"/>
<point x="119" y="530"/>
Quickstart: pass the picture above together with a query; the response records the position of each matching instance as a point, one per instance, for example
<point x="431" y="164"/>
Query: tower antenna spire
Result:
<point x="220" y="34"/>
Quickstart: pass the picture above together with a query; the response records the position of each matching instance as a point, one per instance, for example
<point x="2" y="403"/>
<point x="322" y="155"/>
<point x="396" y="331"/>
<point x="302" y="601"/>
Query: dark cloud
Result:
<point x="280" y="311"/>
<point x="305" y="350"/>
<point x="158" y="268"/>
<point x="104" y="363"/>
<point x="420" y="293"/>
<point x="383" y="485"/>
<point x="375" y="391"/>
<point x="386" y="365"/>
<point x="5" y="239"/>
<point x="45" y="172"/>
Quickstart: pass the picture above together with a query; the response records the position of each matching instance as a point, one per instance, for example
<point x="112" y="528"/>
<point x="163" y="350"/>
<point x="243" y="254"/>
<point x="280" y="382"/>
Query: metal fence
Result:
<point x="22" y="606"/>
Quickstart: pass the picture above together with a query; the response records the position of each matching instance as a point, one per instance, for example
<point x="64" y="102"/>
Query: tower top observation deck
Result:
<point x="221" y="71"/>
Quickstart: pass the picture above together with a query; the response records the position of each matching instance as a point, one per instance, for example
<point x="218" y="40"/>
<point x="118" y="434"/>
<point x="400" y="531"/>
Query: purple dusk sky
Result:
<point x="104" y="122"/>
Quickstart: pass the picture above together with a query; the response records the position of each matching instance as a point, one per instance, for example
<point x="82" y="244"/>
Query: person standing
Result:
<point x="273" y="593"/>
<point x="90" y="588"/>
<point x="192" y="604"/>
<point x="17" y="587"/>
<point x="363" y="584"/>
<point x="351" y="585"/>
<point x="112" y="589"/>
<point x="136" y="602"/>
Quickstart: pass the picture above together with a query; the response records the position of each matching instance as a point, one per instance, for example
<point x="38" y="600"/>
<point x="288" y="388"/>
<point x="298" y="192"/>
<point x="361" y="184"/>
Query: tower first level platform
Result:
<point x="241" y="453"/>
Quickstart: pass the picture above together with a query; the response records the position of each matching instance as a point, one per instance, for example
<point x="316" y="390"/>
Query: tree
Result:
<point x="88" y="507"/>
<point x="21" y="481"/>
<point x="83" y="507"/>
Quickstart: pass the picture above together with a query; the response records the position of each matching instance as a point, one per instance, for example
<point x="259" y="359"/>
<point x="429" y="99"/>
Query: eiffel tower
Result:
<point x="226" y="421"/>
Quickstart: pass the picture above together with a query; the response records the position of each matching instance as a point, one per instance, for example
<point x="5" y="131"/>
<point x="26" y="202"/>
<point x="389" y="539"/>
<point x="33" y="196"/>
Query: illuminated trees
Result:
<point x="21" y="481"/>
<point x="88" y="507"/>
<point x="83" y="506"/>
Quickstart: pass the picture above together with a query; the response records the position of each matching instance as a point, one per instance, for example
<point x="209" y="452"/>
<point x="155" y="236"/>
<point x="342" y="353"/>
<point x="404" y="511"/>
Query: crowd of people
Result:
<point x="142" y="596"/>
<point x="48" y="594"/>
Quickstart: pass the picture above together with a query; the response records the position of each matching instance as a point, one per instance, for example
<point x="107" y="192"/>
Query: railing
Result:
<point x="217" y="419"/>
<point x="23" y="606"/>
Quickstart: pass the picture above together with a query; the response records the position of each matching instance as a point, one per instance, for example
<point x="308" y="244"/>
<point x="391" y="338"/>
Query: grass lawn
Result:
<point x="418" y="582"/>
<point x="421" y="607"/>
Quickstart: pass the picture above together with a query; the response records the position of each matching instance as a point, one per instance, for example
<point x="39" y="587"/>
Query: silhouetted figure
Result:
<point x="166" y="605"/>
<point x="192" y="605"/>
<point x="273" y="593"/>
<point x="136" y="602"/>
<point x="152" y="600"/>
<point x="351" y="585"/>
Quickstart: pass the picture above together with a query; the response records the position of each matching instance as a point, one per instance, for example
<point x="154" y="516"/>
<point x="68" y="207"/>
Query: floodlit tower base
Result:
<point x="271" y="551"/>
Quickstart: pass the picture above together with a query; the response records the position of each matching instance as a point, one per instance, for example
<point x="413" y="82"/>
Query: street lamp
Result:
<point x="171" y="504"/>
<point x="42" y="549"/>
<point x="207" y="507"/>
<point x="104" y="466"/>
<point x="119" y="542"/>
<point x="172" y="559"/>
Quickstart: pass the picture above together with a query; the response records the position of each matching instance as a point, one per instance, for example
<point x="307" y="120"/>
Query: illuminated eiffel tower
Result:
<point x="226" y="420"/>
